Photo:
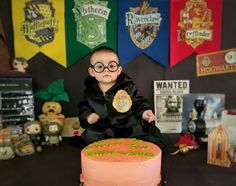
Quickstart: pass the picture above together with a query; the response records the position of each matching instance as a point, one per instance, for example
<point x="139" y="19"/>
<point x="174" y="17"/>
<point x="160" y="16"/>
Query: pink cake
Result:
<point x="121" y="162"/>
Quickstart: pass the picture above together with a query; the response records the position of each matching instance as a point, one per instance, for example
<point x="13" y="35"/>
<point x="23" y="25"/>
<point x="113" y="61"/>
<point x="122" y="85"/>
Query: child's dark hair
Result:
<point x="104" y="48"/>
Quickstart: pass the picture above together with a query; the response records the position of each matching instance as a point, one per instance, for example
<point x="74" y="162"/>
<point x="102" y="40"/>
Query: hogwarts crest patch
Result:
<point x="122" y="101"/>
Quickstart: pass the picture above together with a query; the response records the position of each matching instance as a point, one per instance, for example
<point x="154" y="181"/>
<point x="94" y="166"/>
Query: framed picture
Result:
<point x="215" y="104"/>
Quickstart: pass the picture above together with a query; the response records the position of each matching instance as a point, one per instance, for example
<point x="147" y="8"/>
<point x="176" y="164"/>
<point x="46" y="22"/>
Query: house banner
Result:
<point x="89" y="24"/>
<point x="195" y="28"/>
<point x="143" y="27"/>
<point x="39" y="26"/>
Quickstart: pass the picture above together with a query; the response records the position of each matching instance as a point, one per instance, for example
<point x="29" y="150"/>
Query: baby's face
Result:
<point x="105" y="58"/>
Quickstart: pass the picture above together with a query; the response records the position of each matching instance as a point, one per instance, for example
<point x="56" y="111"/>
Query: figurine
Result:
<point x="51" y="113"/>
<point x="20" y="64"/>
<point x="52" y="108"/>
<point x="215" y="116"/>
<point x="207" y="115"/>
<point x="193" y="114"/>
<point x="52" y="133"/>
<point x="33" y="130"/>
<point x="7" y="150"/>
<point x="23" y="145"/>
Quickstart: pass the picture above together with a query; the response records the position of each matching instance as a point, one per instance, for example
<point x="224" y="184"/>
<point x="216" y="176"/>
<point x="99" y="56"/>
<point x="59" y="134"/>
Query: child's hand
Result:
<point x="148" y="116"/>
<point x="93" y="118"/>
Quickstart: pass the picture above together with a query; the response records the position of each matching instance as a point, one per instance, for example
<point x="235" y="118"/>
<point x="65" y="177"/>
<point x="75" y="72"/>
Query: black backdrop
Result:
<point x="142" y="69"/>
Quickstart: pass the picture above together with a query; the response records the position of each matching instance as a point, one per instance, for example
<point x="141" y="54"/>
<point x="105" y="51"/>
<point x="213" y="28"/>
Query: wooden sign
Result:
<point x="219" y="62"/>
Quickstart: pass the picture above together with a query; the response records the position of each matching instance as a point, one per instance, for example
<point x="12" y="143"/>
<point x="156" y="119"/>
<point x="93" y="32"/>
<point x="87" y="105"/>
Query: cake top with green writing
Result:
<point x="121" y="149"/>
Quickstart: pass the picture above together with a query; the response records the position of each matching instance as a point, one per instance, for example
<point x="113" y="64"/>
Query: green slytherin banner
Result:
<point x="89" y="24"/>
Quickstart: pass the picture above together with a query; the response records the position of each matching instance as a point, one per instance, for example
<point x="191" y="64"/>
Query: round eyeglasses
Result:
<point x="100" y="67"/>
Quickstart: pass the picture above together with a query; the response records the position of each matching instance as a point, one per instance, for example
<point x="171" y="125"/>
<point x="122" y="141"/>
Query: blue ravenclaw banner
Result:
<point x="143" y="27"/>
<point x="89" y="24"/>
<point x="39" y="26"/>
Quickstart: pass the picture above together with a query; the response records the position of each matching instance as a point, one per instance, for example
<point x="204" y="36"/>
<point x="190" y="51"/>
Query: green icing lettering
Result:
<point x="110" y="152"/>
<point x="90" y="154"/>
<point x="145" y="147"/>
<point x="99" y="145"/>
<point x="88" y="148"/>
<point x="140" y="153"/>
<point x="102" y="152"/>
<point x="123" y="152"/>
<point x="136" y="146"/>
<point x="116" y="152"/>
<point x="133" y="145"/>
<point x="131" y="153"/>
<point x="150" y="154"/>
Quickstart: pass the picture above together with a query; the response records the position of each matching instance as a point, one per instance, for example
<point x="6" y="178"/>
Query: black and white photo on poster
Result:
<point x="168" y="103"/>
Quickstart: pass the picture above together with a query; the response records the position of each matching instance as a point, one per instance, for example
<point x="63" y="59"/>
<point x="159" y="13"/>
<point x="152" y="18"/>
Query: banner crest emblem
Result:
<point x="40" y="24"/>
<point x="195" y="23"/>
<point x="91" y="18"/>
<point x="143" y="23"/>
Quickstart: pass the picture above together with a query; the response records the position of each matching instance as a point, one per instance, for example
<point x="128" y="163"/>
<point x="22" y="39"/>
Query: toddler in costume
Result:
<point x="112" y="106"/>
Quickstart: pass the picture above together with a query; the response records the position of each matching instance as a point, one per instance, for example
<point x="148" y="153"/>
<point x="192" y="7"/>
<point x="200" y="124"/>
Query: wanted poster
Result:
<point x="168" y="104"/>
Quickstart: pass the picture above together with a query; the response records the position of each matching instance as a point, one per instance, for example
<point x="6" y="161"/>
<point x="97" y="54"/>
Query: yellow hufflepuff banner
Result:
<point x="39" y="26"/>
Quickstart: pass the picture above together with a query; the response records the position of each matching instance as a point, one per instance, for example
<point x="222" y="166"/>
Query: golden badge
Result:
<point x="122" y="101"/>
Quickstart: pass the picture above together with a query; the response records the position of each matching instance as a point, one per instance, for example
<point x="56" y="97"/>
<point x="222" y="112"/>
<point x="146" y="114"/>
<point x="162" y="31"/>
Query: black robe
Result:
<point x="113" y="123"/>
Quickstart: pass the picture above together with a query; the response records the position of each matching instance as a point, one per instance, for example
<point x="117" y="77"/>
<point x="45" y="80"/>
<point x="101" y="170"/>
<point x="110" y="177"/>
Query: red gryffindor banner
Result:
<point x="195" y="28"/>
